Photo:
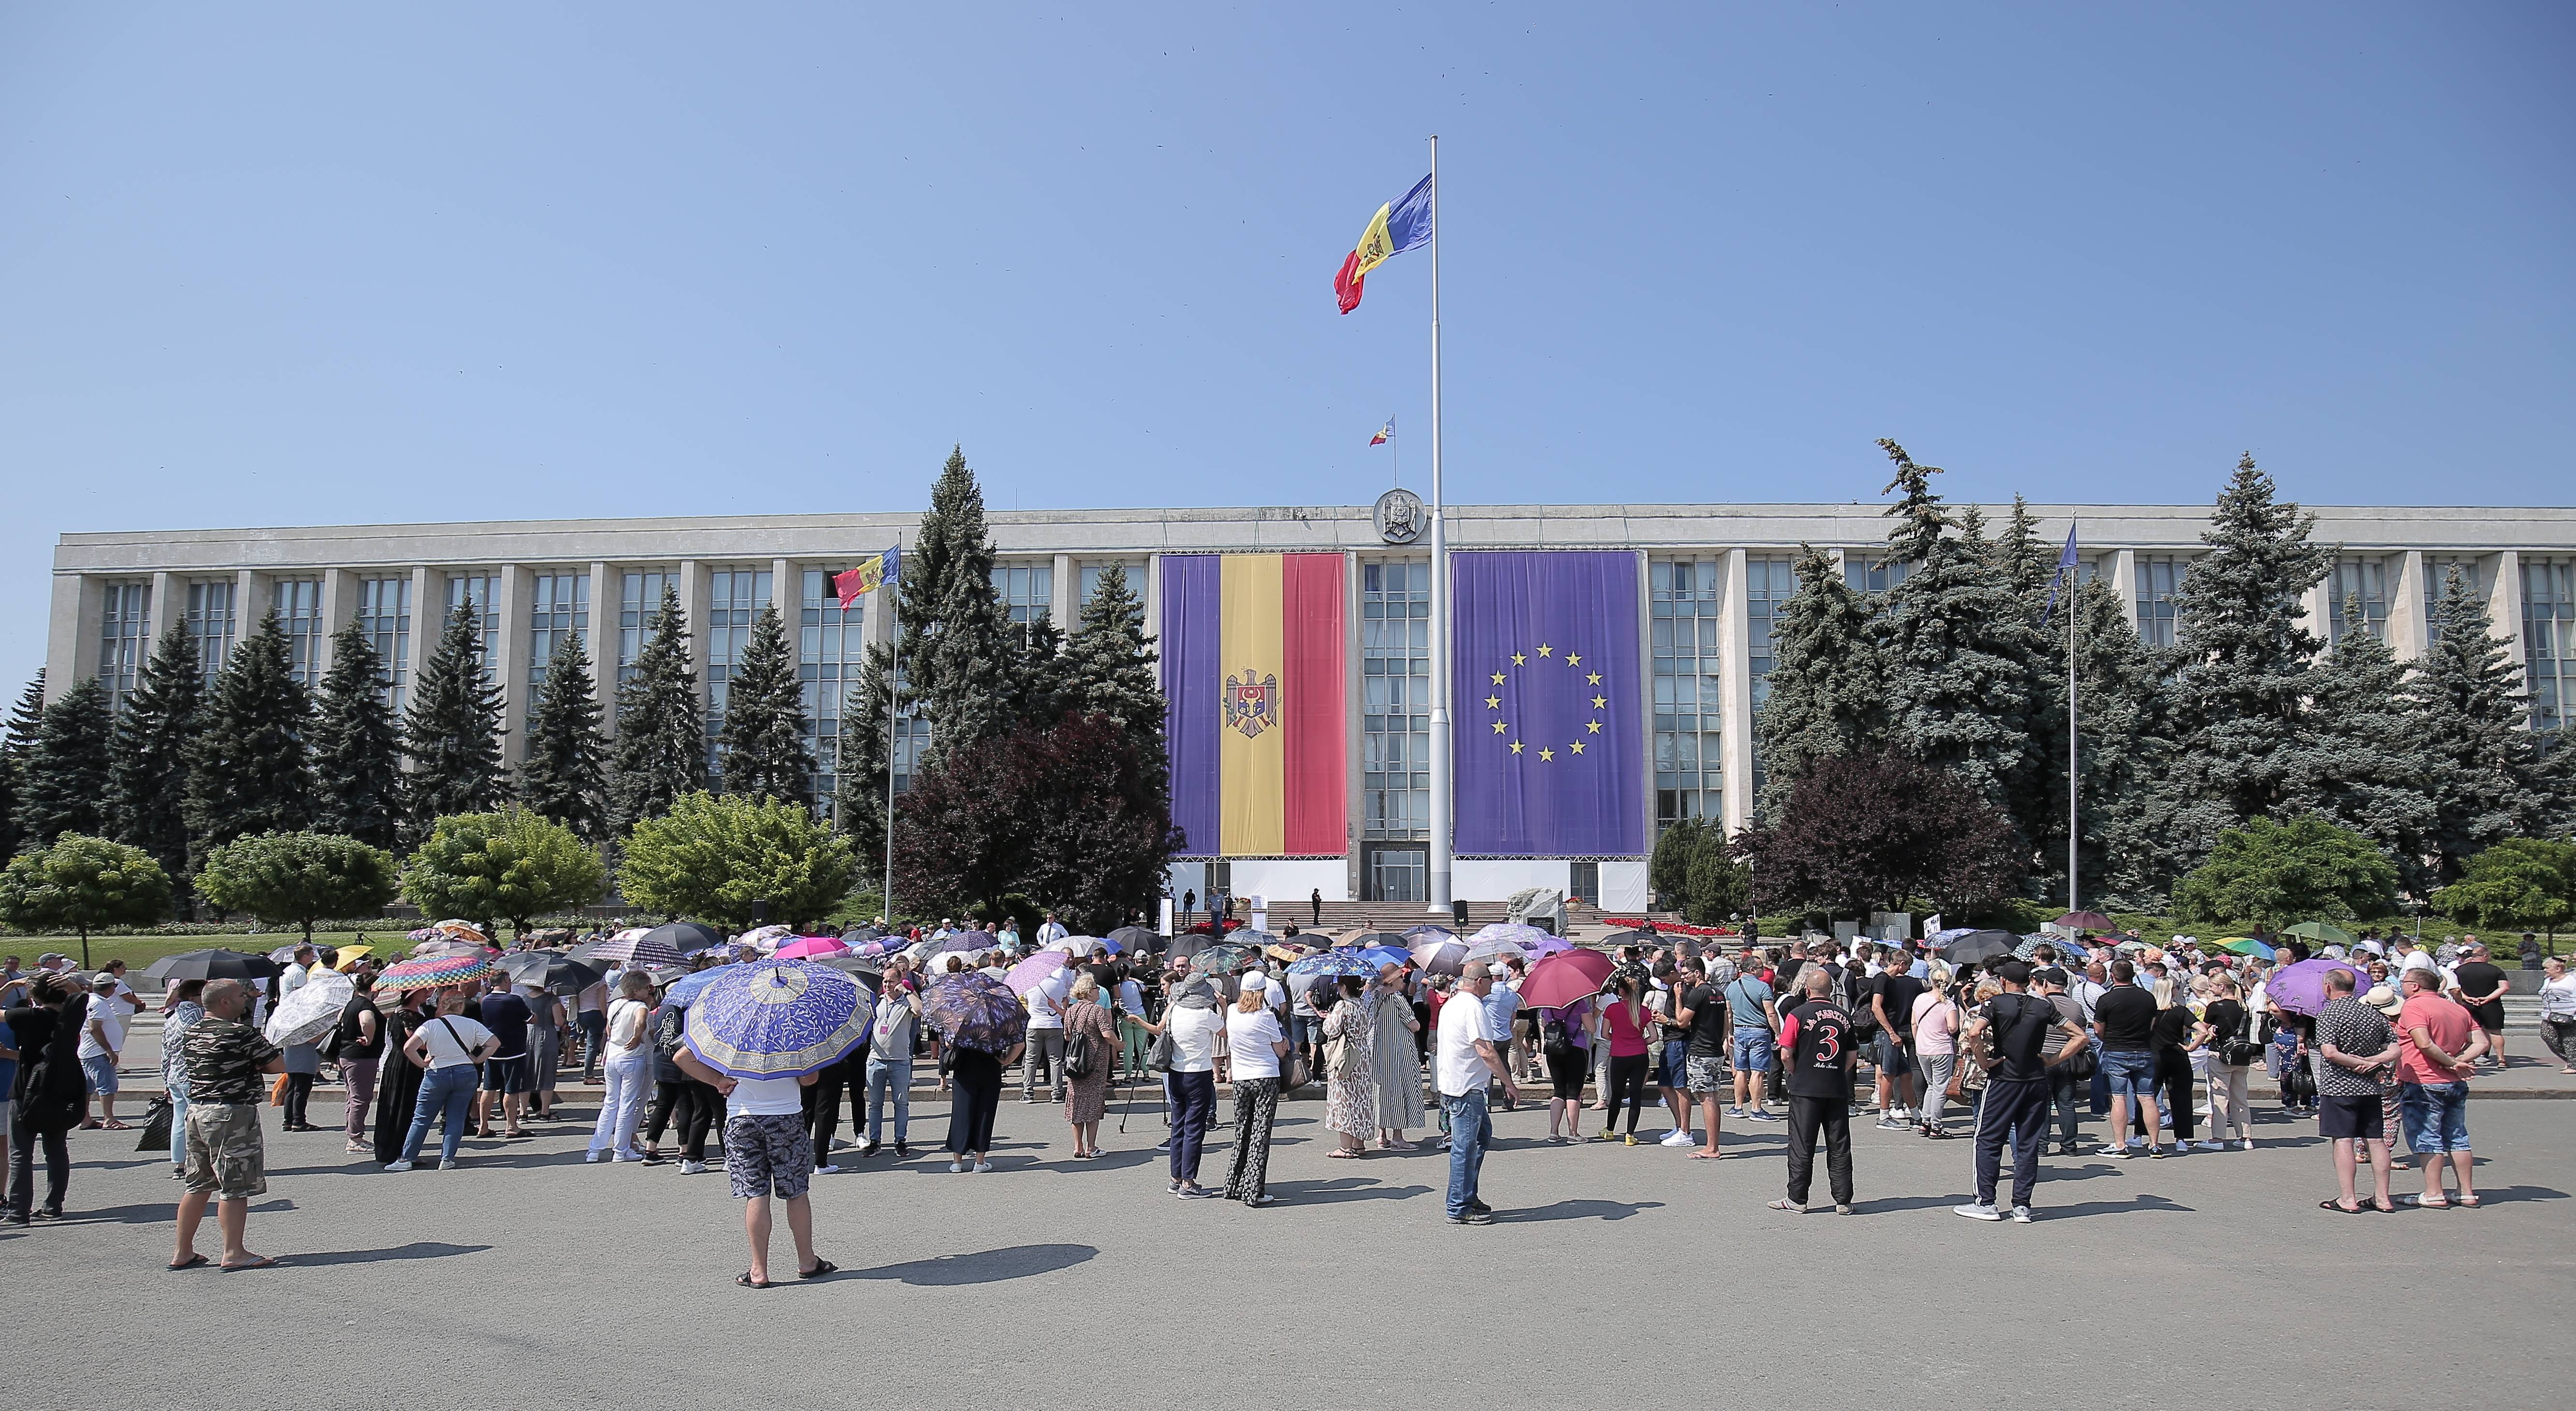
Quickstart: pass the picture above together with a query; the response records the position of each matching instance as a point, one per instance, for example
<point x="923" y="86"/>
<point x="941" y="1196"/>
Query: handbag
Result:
<point x="156" y="1126"/>
<point x="1161" y="1054"/>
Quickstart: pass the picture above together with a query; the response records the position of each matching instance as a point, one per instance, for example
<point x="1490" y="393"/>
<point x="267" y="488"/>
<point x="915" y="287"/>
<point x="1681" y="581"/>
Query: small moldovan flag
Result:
<point x="1397" y="227"/>
<point x="874" y="570"/>
<point x="1384" y="434"/>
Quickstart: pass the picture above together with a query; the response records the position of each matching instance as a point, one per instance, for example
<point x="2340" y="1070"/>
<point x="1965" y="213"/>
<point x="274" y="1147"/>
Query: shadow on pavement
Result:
<point x="2131" y="1206"/>
<point x="1577" y="1210"/>
<point x="1114" y="1161"/>
<point x="2490" y="1195"/>
<point x="984" y="1267"/>
<point x="422" y="1249"/>
<point x="1336" y="1191"/>
<point x="156" y="1213"/>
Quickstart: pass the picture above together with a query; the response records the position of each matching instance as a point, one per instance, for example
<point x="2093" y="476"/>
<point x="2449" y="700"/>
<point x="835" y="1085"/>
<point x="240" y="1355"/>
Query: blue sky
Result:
<point x="294" y="265"/>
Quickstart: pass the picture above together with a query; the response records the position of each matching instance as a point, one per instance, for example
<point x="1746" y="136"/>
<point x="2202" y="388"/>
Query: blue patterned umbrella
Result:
<point x="777" y="1019"/>
<point x="1386" y="955"/>
<point x="975" y="1011"/>
<point x="1304" y="972"/>
<point x="684" y="991"/>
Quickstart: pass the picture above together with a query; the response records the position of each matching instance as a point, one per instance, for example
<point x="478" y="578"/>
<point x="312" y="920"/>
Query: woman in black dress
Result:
<point x="398" y="1081"/>
<point x="976" y="1094"/>
<point x="51" y="1094"/>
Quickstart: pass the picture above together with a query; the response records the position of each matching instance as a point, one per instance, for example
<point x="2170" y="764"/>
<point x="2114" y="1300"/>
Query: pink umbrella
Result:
<point x="2301" y="988"/>
<point x="1030" y="973"/>
<point x="809" y="947"/>
<point x="1564" y="978"/>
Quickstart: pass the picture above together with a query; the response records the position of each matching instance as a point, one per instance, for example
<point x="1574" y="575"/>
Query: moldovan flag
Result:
<point x="874" y="570"/>
<point x="1397" y="227"/>
<point x="1253" y="712"/>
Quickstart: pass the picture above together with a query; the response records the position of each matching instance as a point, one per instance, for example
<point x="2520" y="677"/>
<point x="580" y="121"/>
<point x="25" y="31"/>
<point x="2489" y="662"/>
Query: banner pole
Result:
<point x="1441" y="896"/>
<point x="894" y="702"/>
<point x="2074" y="830"/>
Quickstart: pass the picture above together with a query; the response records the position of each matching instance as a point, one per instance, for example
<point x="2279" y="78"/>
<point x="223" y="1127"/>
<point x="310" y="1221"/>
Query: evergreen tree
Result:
<point x="62" y="774"/>
<point x="2491" y="781"/>
<point x="1108" y="663"/>
<point x="957" y="647"/>
<point x="18" y="738"/>
<point x="1826" y="695"/>
<point x="1041" y="697"/>
<point x="565" y="777"/>
<point x="2028" y="565"/>
<point x="762" y="744"/>
<point x="661" y="750"/>
<point x="452" y="732"/>
<point x="147" y="772"/>
<point x="2124" y="750"/>
<point x="2364" y="762"/>
<point x="2241" y="661"/>
<point x="250" y="773"/>
<point x="861" y="758"/>
<point x="357" y="777"/>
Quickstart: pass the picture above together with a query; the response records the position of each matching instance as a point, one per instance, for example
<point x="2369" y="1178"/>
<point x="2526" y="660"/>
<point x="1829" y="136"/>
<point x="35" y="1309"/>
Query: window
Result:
<point x="1769" y="582"/>
<point x="1686" y="601"/>
<point x="125" y="615"/>
<point x="1585" y="883"/>
<point x="1027" y="591"/>
<point x="829" y="650"/>
<point x="558" y="608"/>
<point x="1398" y="873"/>
<point x="299" y="610"/>
<point x="2437" y="579"/>
<point x="638" y="599"/>
<point x="734" y="597"/>
<point x="1093" y="572"/>
<point x="2549" y="640"/>
<point x="1869" y="573"/>
<point x="1395" y="702"/>
<point x="2158" y="576"/>
<point x="210" y="624"/>
<point x="474" y="591"/>
<point x="2359" y="584"/>
<point x="384" y="614"/>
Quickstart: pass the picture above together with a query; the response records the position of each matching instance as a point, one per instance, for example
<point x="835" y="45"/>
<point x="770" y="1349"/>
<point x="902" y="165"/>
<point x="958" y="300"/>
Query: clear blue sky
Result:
<point x="281" y="265"/>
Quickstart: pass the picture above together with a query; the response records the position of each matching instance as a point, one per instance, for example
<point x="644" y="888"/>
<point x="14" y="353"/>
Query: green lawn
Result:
<point x="140" y="951"/>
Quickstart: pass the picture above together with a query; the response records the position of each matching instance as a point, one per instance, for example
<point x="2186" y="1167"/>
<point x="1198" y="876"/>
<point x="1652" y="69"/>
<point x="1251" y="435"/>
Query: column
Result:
<point x="601" y="642"/>
<point x="159" y="613"/>
<point x="786" y="593"/>
<point x="1062" y="601"/>
<point x="693" y="613"/>
<point x="71" y="632"/>
<point x="1735" y="698"/>
<point x="2316" y="614"/>
<point x="2406" y="634"/>
<point x="339" y="606"/>
<point x="1151" y="590"/>
<point x="252" y="599"/>
<point x="2504" y="604"/>
<point x="1354" y="741"/>
<point x="2124" y="584"/>
<point x="510" y="597"/>
<point x="428" y="621"/>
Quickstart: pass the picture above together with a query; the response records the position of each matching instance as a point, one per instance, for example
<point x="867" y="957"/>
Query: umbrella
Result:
<point x="2029" y="947"/>
<point x="2247" y="945"/>
<point x="684" y="990"/>
<point x="870" y="966"/>
<point x="777" y="1019"/>
<point x="1223" y="956"/>
<point x="686" y="937"/>
<point x="443" y="944"/>
<point x="1385" y="955"/>
<point x="311" y="1011"/>
<point x="1192" y="943"/>
<point x="1302" y="974"/>
<point x="1443" y="955"/>
<point x="1288" y="951"/>
<point x="1030" y="973"/>
<point x="351" y="955"/>
<point x="857" y="935"/>
<point x="434" y="972"/>
<point x="766" y="938"/>
<point x="962" y="941"/>
<point x="639" y="948"/>
<point x="1980" y="947"/>
<point x="1942" y="938"/>
<point x="1140" y="938"/>
<point x="2131" y="944"/>
<point x="1564" y="978"/>
<point x="1365" y="939"/>
<point x="1492" y="939"/>
<point x="549" y="971"/>
<point x="811" y="948"/>
<point x="2320" y="932"/>
<point x="975" y="1011"/>
<point x="1427" y="932"/>
<point x="2301" y="988"/>
<point x="284" y="954"/>
<point x="212" y="965"/>
<point x="1546" y="946"/>
<point x="1634" y="938"/>
<point x="2085" y="921"/>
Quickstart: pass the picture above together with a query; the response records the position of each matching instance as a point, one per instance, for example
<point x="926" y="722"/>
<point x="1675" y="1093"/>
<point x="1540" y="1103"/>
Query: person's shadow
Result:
<point x="981" y="1267"/>
<point x="1576" y="1210"/>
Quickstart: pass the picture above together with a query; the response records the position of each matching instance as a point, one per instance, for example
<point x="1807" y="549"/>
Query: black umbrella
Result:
<point x="686" y="937"/>
<point x="547" y="970"/>
<point x="1978" y="947"/>
<point x="213" y="965"/>
<point x="1191" y="943"/>
<point x="1649" y="939"/>
<point x="1139" y="940"/>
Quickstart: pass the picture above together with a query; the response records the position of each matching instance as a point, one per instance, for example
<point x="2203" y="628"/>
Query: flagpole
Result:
<point x="2074" y="829"/>
<point x="1441" y="897"/>
<point x="894" y="701"/>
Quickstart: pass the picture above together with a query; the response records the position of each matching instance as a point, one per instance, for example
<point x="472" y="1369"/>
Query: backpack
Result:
<point x="1081" y="1053"/>
<point x="671" y="1035"/>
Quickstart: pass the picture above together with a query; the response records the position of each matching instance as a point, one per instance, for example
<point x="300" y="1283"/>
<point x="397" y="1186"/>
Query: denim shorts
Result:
<point x="1670" y="1064"/>
<point x="2132" y="1074"/>
<point x="1753" y="1049"/>
<point x="2436" y="1116"/>
<point x="101" y="1070"/>
<point x="1891" y="1057"/>
<point x="501" y="1075"/>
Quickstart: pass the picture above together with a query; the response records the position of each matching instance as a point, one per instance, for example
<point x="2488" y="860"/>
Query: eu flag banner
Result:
<point x="1543" y="660"/>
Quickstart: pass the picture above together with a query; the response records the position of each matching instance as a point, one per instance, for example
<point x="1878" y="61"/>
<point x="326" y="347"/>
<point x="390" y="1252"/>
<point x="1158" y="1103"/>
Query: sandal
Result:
<point x="2383" y="1209"/>
<point x="191" y="1262"/>
<point x="115" y="1127"/>
<point x="822" y="1268"/>
<point x="262" y="1262"/>
<point x="1342" y="1153"/>
<point x="747" y="1281"/>
<point x="2339" y="1207"/>
<point x="2466" y="1202"/>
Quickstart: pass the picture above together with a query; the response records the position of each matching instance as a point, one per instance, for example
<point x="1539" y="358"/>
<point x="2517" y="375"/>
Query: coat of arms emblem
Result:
<point x="1251" y="703"/>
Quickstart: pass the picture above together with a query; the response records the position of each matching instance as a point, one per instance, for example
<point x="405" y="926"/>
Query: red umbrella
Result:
<point x="2085" y="921"/>
<point x="1563" y="978"/>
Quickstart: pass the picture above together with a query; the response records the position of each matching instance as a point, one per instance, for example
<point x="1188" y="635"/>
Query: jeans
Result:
<point x="621" y="1108"/>
<point x="2015" y="1110"/>
<point x="23" y="1139"/>
<point x="1046" y="1046"/>
<point x="594" y="1036"/>
<point x="889" y="1078"/>
<point x="178" y="1126"/>
<point x="1193" y="1100"/>
<point x="2132" y="1072"/>
<point x="2436" y="1116"/>
<point x="1471" y="1130"/>
<point x="443" y="1091"/>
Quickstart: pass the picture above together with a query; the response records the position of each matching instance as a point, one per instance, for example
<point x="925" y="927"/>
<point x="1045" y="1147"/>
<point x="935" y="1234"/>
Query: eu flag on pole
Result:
<point x="874" y="570"/>
<point x="2066" y="567"/>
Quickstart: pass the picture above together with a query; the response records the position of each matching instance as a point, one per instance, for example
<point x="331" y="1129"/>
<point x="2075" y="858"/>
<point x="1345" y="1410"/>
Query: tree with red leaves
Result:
<point x="1874" y="831"/>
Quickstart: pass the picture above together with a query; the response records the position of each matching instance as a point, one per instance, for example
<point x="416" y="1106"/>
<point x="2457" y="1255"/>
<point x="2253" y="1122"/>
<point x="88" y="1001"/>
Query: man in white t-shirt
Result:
<point x="1463" y="1062"/>
<point x="768" y="1150"/>
<point x="102" y="1044"/>
<point x="1046" y="1036"/>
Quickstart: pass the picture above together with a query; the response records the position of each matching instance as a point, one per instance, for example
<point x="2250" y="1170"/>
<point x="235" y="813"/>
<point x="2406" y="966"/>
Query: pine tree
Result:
<point x="2363" y="762"/>
<point x="2028" y="565"/>
<point x="661" y="750"/>
<point x="357" y="781"/>
<point x="1826" y="695"/>
<point x="452" y="732"/>
<point x="18" y="738"/>
<point x="250" y="773"/>
<point x="1040" y="697"/>
<point x="958" y="647"/>
<point x="565" y="777"/>
<point x="762" y="744"/>
<point x="2492" y="781"/>
<point x="147" y="773"/>
<point x="861" y="761"/>
<point x="1108" y="668"/>
<point x="62" y="774"/>
<point x="2241" y="660"/>
<point x="2124" y="752"/>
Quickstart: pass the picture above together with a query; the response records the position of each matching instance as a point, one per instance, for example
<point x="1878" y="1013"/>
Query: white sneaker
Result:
<point x="2209" y="1146"/>
<point x="983" y="1166"/>
<point x="692" y="1168"/>
<point x="1977" y="1212"/>
<point x="2245" y="1145"/>
<point x="2022" y="1215"/>
<point x="957" y="1165"/>
<point x="397" y="1165"/>
<point x="827" y="1170"/>
<point x="447" y="1163"/>
<point x="2116" y="1153"/>
<point x="1676" y="1137"/>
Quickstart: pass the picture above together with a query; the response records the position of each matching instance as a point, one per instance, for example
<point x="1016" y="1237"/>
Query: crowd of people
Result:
<point x="1825" y="1032"/>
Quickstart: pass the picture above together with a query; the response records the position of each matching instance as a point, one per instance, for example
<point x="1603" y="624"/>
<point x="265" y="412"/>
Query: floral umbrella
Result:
<point x="777" y="1019"/>
<point x="975" y="1011"/>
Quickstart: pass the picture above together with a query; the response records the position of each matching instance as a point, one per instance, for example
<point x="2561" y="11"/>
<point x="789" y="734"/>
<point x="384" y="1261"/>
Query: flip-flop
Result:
<point x="2337" y="1207"/>
<point x="1706" y="1155"/>
<point x="263" y="1262"/>
<point x="747" y="1281"/>
<point x="115" y="1127"/>
<point x="2467" y="1202"/>
<point x="191" y="1262"/>
<point x="2382" y="1209"/>
<point x="822" y="1268"/>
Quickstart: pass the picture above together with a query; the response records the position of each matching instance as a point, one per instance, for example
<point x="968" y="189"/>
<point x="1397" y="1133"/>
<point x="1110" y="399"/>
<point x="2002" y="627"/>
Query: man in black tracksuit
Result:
<point x="2009" y="1036"/>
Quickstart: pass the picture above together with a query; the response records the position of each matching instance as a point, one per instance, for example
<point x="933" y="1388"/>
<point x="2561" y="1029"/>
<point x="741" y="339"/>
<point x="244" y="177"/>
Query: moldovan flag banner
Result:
<point x="1549" y="734"/>
<point x="1397" y="227"/>
<point x="873" y="571"/>
<point x="1252" y="692"/>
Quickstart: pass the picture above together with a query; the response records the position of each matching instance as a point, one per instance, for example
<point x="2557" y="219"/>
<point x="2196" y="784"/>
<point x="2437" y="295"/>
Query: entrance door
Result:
<point x="1395" y="872"/>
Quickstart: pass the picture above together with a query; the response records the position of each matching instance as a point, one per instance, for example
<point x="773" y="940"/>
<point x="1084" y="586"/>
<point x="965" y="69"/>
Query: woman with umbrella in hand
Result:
<point x="983" y="1026"/>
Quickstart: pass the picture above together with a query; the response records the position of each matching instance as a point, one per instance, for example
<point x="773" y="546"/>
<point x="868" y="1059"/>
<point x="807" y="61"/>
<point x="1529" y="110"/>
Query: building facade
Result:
<point x="1710" y="579"/>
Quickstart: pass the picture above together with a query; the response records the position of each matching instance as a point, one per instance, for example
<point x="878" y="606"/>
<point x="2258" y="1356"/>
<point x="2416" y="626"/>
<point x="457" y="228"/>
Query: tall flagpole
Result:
<point x="894" y="703"/>
<point x="2074" y="828"/>
<point x="1440" y="801"/>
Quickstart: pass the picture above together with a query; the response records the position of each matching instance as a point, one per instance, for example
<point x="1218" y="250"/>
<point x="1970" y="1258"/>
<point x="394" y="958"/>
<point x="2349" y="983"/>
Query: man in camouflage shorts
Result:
<point x="225" y="1160"/>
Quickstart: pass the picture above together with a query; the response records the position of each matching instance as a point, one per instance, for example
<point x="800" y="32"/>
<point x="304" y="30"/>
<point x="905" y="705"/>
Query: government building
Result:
<point x="1643" y="731"/>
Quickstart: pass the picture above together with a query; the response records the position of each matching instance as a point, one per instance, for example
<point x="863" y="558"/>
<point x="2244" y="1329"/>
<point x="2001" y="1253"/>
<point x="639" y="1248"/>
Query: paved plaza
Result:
<point x="527" y="1278"/>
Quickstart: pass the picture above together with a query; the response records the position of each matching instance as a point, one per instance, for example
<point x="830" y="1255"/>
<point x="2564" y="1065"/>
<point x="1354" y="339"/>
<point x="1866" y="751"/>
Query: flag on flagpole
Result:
<point x="1384" y="434"/>
<point x="1397" y="227"/>
<point x="873" y="571"/>
<point x="2066" y="567"/>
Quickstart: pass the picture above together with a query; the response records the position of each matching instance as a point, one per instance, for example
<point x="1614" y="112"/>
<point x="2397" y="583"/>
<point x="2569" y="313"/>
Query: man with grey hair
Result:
<point x="1816" y="1046"/>
<point x="225" y="1160"/>
<point x="1464" y="1061"/>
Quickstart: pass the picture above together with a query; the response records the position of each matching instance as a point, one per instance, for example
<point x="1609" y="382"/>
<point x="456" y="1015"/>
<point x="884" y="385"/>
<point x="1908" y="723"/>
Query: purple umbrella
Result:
<point x="1030" y="973"/>
<point x="638" y="948"/>
<point x="2301" y="988"/>
<point x="975" y="1011"/>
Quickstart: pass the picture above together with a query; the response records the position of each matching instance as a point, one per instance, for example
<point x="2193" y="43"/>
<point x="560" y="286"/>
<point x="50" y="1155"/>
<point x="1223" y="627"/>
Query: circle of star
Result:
<point x="1547" y="753"/>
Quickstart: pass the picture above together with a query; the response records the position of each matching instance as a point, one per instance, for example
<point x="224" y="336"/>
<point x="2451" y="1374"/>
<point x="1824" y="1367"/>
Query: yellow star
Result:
<point x="1493" y="703"/>
<point x="1577" y="747"/>
<point x="1598" y="702"/>
<point x="1574" y="658"/>
<point x="1519" y="660"/>
<point x="1516" y="747"/>
<point x="1498" y="678"/>
<point x="1593" y="680"/>
<point x="1547" y="754"/>
<point x="1593" y="726"/>
<point x="1498" y="727"/>
<point x="1544" y="649"/>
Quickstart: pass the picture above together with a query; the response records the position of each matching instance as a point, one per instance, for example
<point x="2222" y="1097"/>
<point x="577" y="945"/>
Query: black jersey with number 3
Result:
<point x="1819" y="1036"/>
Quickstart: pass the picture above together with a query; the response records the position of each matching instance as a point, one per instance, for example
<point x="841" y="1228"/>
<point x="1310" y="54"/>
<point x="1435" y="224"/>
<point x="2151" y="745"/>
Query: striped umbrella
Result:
<point x="777" y="1019"/>
<point x="435" y="972"/>
<point x="638" y="948"/>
